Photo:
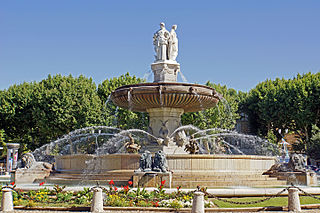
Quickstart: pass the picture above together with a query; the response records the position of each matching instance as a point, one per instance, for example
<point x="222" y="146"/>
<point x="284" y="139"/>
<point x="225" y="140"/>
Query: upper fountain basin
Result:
<point x="190" y="97"/>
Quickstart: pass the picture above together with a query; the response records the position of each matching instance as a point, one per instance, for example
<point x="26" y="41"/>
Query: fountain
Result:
<point x="165" y="100"/>
<point x="102" y="153"/>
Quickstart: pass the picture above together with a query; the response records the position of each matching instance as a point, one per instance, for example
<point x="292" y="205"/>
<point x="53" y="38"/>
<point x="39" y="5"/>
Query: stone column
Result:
<point x="12" y="156"/>
<point x="198" y="202"/>
<point x="9" y="161"/>
<point x="97" y="200"/>
<point x="6" y="202"/>
<point x="293" y="200"/>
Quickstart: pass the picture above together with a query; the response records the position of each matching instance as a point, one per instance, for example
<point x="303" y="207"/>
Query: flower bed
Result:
<point x="123" y="196"/>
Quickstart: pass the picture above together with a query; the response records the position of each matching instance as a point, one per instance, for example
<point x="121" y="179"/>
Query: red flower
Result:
<point x="156" y="204"/>
<point x="160" y="187"/>
<point x="111" y="182"/>
<point x="12" y="183"/>
<point x="130" y="182"/>
<point x="40" y="184"/>
<point x="115" y="188"/>
<point x="126" y="187"/>
<point x="163" y="182"/>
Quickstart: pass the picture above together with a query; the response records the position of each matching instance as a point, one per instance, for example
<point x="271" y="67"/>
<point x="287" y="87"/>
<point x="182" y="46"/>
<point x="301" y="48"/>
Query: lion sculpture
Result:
<point x="160" y="162"/>
<point x="297" y="163"/>
<point x="28" y="160"/>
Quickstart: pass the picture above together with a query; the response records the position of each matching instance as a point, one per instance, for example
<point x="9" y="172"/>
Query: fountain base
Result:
<point x="151" y="179"/>
<point x="188" y="171"/>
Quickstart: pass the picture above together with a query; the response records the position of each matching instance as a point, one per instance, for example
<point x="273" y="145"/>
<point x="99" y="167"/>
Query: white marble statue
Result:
<point x="173" y="44"/>
<point x="160" y="42"/>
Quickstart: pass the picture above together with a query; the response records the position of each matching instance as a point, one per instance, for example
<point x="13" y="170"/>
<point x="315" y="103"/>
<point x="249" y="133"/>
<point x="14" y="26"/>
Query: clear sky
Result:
<point x="234" y="42"/>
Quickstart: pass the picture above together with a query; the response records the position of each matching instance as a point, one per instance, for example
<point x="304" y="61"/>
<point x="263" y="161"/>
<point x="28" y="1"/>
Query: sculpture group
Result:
<point x="166" y="43"/>
<point x="158" y="164"/>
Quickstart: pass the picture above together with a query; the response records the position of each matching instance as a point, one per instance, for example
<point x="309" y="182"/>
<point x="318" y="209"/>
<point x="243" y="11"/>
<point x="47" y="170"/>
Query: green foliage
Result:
<point x="64" y="104"/>
<point x="224" y="115"/>
<point x="2" y="136"/>
<point x="58" y="189"/>
<point x="109" y="85"/>
<point x="271" y="137"/>
<point x="16" y="112"/>
<point x="63" y="196"/>
<point x="292" y="104"/>
<point x="121" y="118"/>
<point x="84" y="196"/>
<point x="314" y="143"/>
<point x="2" y="143"/>
<point x="36" y="113"/>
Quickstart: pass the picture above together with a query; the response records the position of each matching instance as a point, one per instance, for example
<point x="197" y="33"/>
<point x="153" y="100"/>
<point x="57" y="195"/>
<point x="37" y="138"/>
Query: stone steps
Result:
<point x="212" y="184"/>
<point x="221" y="178"/>
<point x="72" y="182"/>
<point x="185" y="177"/>
<point x="186" y="180"/>
<point x="90" y="177"/>
<point x="218" y="176"/>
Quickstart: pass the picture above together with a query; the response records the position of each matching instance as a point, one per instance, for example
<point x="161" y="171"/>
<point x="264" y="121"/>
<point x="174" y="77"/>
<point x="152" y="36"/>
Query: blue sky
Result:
<point x="232" y="42"/>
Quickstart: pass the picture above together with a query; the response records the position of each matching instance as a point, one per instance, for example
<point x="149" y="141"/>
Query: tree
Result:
<point x="2" y="143"/>
<point x="224" y="115"/>
<point x="292" y="104"/>
<point x="63" y="104"/>
<point x="119" y="117"/>
<point x="314" y="144"/>
<point x="16" y="112"/>
<point x="36" y="113"/>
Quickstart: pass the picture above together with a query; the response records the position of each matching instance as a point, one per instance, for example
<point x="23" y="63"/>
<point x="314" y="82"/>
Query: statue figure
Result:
<point x="192" y="147"/>
<point x="297" y="163"/>
<point x="160" y="162"/>
<point x="180" y="138"/>
<point x="160" y="42"/>
<point x="145" y="163"/>
<point x="130" y="146"/>
<point x="173" y="44"/>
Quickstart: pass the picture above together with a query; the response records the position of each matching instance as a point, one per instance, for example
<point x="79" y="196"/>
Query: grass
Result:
<point x="277" y="201"/>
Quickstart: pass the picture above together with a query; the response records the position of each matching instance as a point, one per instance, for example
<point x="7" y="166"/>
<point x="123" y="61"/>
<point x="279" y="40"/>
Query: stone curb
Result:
<point x="152" y="209"/>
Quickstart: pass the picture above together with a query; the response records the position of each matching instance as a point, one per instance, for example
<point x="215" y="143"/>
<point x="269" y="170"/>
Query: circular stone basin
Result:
<point x="140" y="97"/>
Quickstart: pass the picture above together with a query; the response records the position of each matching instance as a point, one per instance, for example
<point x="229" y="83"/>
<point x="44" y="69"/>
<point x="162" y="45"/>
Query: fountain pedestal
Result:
<point x="152" y="179"/>
<point x="164" y="120"/>
<point x="162" y="123"/>
<point x="165" y="71"/>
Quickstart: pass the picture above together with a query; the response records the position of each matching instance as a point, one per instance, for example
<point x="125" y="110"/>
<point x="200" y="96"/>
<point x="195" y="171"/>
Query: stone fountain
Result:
<point x="165" y="100"/>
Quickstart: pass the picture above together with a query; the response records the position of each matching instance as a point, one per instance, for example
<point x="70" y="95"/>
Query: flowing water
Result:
<point x="100" y="140"/>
